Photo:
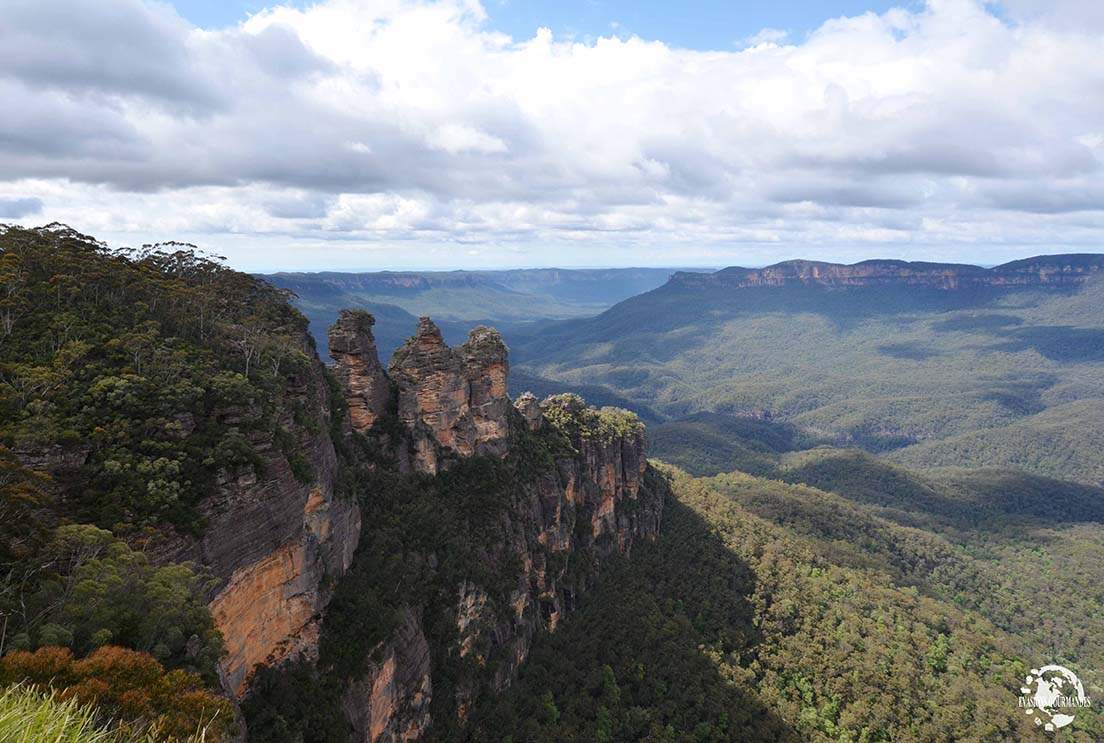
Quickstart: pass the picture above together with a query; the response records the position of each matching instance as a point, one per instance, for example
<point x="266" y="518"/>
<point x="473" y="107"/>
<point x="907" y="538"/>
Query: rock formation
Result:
<point x="390" y="702"/>
<point x="358" y="369"/>
<point x="590" y="502"/>
<point x="530" y="410"/>
<point x="452" y="401"/>
<point x="275" y="543"/>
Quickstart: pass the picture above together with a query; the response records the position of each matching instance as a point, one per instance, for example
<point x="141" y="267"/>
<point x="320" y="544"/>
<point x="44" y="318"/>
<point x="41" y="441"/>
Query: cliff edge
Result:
<point x="1047" y="270"/>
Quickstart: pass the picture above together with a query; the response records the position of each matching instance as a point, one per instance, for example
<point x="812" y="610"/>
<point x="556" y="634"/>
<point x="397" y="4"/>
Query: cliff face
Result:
<point x="391" y="700"/>
<point x="190" y="418"/>
<point x="1056" y="270"/>
<point x="275" y="542"/>
<point x="561" y="527"/>
<point x="583" y="504"/>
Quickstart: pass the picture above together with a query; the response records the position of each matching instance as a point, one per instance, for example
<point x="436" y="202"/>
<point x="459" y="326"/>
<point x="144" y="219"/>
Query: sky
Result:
<point x="369" y="134"/>
<point x="691" y="24"/>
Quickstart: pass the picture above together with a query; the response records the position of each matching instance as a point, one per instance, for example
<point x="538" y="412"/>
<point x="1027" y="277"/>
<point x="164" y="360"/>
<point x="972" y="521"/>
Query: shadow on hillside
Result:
<point x="977" y="323"/>
<point x="908" y="351"/>
<point x="673" y="623"/>
<point x="708" y="443"/>
<point x="1010" y="493"/>
<point x="1057" y="343"/>
<point x="973" y="499"/>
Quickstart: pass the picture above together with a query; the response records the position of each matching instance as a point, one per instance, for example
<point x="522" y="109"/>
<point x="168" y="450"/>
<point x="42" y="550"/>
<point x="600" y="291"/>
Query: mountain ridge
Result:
<point x="1060" y="269"/>
<point x="951" y="365"/>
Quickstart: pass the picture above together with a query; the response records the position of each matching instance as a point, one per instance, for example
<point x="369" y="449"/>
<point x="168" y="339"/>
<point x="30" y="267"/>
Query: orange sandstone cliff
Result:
<point x="276" y="543"/>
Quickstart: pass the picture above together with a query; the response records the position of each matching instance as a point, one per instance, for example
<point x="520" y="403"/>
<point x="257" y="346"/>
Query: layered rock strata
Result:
<point x="452" y="402"/>
<point x="275" y="543"/>
<point x="390" y="702"/>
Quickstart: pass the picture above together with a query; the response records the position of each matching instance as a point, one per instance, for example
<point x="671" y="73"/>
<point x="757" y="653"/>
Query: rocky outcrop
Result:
<point x="1053" y="270"/>
<point x="390" y="701"/>
<point x="592" y="505"/>
<point x="587" y="501"/>
<point x="275" y="542"/>
<point x="358" y="369"/>
<point x="452" y="402"/>
<point x="561" y="527"/>
<point x="530" y="410"/>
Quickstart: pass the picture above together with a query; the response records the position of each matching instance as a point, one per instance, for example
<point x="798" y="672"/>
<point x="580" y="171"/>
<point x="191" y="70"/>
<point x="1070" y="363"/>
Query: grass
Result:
<point x="30" y="716"/>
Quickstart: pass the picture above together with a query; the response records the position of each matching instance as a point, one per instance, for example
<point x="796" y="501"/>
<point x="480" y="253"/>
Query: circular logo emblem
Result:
<point x="1052" y="694"/>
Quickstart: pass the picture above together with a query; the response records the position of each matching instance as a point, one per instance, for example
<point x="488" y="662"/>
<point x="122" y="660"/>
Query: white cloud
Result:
<point x="457" y="138"/>
<point x="385" y="122"/>
<point x="767" y="36"/>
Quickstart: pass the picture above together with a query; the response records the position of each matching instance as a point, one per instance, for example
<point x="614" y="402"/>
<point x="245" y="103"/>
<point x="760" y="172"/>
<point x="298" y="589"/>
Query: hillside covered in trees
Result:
<point x="778" y="612"/>
<point x="117" y="371"/>
<point x="929" y="365"/>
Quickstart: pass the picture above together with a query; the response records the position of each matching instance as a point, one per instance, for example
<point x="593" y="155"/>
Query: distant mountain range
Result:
<point x="1049" y="270"/>
<point x="929" y="364"/>
<point x="456" y="300"/>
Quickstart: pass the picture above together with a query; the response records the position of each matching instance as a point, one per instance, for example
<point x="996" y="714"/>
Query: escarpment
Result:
<point x="504" y="513"/>
<point x="276" y="539"/>
<point x="186" y="417"/>
<point x="1049" y="271"/>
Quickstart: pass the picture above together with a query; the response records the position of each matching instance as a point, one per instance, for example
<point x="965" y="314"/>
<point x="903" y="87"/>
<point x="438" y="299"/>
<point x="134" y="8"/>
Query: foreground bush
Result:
<point x="29" y="716"/>
<point x="126" y="686"/>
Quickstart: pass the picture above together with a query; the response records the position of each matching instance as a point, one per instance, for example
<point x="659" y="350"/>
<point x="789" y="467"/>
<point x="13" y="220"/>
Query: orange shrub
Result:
<point x="126" y="685"/>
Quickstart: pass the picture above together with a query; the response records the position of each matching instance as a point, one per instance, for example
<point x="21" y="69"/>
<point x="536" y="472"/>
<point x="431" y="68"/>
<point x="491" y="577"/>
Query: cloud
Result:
<point x="1058" y="198"/>
<point x="297" y="205"/>
<point x="457" y="138"/>
<point x="958" y="123"/>
<point x="117" y="47"/>
<point x="1067" y="14"/>
<point x="897" y="193"/>
<point x="766" y="36"/>
<point x="19" y="208"/>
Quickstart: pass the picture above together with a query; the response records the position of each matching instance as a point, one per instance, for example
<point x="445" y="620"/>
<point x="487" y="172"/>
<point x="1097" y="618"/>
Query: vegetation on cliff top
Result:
<point x="569" y="414"/>
<point x="138" y="375"/>
<point x="130" y="380"/>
